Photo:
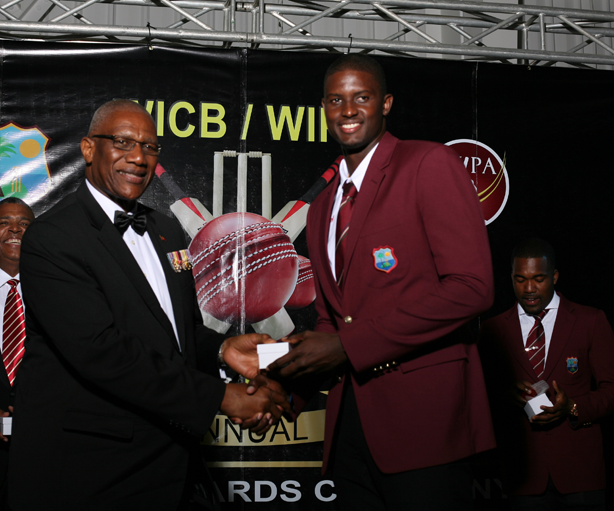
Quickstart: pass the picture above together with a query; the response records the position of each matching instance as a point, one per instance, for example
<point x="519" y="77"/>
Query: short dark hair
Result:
<point x="530" y="248"/>
<point x="110" y="108"/>
<point x="14" y="200"/>
<point x="358" y="62"/>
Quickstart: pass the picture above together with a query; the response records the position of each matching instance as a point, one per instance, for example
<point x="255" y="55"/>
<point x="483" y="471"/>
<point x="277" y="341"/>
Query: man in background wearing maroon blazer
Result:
<point x="407" y="403"/>
<point x="554" y="460"/>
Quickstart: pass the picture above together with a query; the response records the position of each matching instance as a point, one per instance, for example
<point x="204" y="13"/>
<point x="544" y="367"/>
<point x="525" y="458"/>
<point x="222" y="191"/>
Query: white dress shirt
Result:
<point x="145" y="255"/>
<point x="527" y="321"/>
<point x="357" y="177"/>
<point x="4" y="291"/>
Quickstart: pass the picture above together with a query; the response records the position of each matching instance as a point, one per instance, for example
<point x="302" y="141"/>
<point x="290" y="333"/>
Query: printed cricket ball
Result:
<point x="305" y="290"/>
<point x="245" y="267"/>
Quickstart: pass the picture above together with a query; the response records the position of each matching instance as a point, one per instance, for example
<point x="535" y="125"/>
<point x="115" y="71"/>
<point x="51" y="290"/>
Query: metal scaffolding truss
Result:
<point x="526" y="34"/>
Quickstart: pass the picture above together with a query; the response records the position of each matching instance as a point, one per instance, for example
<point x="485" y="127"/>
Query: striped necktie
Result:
<point x="536" y="345"/>
<point x="13" y="332"/>
<point x="343" y="226"/>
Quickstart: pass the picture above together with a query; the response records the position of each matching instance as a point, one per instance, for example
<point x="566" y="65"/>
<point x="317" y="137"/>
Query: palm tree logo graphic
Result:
<point x="24" y="172"/>
<point x="385" y="259"/>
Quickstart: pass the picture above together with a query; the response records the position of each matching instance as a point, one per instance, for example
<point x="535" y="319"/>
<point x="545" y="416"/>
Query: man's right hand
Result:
<point x="257" y="411"/>
<point x="5" y="414"/>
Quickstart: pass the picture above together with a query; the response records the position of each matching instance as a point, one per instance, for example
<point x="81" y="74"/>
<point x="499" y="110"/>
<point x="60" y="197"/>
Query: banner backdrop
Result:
<point x="243" y="130"/>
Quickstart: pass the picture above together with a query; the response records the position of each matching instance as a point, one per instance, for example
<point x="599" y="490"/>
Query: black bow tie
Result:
<point x="138" y="221"/>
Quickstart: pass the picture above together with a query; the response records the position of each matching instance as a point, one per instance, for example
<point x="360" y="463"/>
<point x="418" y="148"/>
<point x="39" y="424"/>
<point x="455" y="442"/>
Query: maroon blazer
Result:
<point x="431" y="407"/>
<point x="570" y="451"/>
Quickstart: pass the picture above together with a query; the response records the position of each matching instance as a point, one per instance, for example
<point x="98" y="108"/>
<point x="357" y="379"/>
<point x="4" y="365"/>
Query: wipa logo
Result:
<point x="488" y="173"/>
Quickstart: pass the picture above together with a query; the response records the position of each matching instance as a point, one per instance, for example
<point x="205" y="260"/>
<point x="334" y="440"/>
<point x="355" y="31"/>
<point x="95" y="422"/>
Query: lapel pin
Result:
<point x="162" y="238"/>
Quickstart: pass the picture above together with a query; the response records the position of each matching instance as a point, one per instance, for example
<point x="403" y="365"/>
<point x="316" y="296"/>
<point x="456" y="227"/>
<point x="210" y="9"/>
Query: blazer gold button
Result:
<point x="347" y="319"/>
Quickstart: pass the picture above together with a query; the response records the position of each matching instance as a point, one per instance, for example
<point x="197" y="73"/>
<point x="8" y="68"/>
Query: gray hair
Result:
<point x="109" y="108"/>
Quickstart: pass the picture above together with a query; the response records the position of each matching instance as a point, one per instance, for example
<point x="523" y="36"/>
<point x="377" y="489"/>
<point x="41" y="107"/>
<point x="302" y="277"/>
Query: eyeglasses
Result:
<point x="128" y="144"/>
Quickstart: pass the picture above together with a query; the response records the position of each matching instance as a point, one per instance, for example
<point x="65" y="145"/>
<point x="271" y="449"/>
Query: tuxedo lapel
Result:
<point x="561" y="334"/>
<point x="513" y="338"/>
<point x="4" y="379"/>
<point x="115" y="246"/>
<point x="172" y="280"/>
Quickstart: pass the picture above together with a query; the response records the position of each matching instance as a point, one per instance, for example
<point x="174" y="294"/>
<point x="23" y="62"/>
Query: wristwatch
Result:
<point x="220" y="358"/>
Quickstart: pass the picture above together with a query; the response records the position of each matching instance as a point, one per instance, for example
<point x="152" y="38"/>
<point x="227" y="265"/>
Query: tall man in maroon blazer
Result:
<point x="407" y="400"/>
<point x="555" y="459"/>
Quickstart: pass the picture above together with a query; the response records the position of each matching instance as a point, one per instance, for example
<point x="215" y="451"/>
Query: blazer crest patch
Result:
<point x="384" y="259"/>
<point x="180" y="260"/>
<point x="572" y="365"/>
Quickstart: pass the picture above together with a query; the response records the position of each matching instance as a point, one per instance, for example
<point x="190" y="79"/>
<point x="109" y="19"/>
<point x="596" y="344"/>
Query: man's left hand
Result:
<point x="313" y="353"/>
<point x="561" y="409"/>
<point x="241" y="354"/>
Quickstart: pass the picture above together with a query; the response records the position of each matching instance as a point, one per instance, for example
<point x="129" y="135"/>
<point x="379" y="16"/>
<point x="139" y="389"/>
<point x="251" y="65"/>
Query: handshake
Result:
<point x="259" y="404"/>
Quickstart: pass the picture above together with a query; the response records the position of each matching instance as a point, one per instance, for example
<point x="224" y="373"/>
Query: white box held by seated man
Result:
<point x="533" y="405"/>
<point x="269" y="353"/>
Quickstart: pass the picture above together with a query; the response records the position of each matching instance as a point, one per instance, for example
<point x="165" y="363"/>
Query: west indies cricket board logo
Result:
<point x="24" y="172"/>
<point x="488" y="173"/>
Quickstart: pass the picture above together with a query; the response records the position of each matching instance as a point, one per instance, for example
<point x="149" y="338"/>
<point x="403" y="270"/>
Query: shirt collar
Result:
<point x="107" y="205"/>
<point x="359" y="173"/>
<point x="5" y="277"/>
<point x="554" y="304"/>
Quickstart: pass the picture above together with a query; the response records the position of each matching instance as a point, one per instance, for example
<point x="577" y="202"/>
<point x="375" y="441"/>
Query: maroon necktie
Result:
<point x="13" y="332"/>
<point x="536" y="345"/>
<point x="343" y="226"/>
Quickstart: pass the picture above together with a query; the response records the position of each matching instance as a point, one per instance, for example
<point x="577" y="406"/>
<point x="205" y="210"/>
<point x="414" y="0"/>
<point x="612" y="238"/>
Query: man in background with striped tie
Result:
<point x="553" y="460"/>
<point x="15" y="217"/>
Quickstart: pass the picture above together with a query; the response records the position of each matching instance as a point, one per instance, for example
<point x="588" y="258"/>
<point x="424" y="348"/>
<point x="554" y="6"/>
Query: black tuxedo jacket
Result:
<point x="6" y="391"/>
<point x="107" y="407"/>
<point x="6" y="399"/>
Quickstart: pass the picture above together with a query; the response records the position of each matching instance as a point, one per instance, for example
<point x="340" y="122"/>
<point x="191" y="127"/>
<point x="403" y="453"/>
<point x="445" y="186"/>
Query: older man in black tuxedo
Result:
<point x="110" y="405"/>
